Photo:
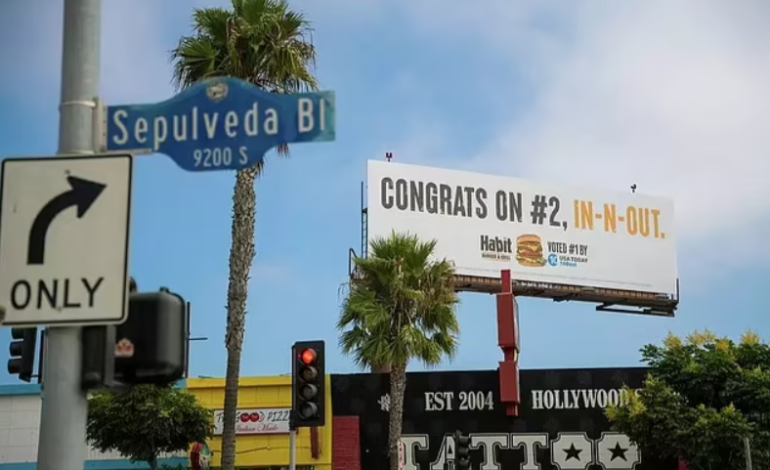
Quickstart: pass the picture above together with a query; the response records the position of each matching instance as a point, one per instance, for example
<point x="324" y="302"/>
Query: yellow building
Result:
<point x="262" y="426"/>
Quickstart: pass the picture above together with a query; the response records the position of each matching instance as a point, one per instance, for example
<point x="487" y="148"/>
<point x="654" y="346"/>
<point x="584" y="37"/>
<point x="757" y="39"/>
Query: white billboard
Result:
<point x="541" y="232"/>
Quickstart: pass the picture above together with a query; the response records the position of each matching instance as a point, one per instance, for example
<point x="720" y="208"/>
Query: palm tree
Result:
<point x="400" y="306"/>
<point x="267" y="44"/>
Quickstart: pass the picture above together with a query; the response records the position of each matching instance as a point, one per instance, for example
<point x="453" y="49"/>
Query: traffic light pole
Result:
<point x="62" y="444"/>
<point x="308" y="390"/>
<point x="292" y="442"/>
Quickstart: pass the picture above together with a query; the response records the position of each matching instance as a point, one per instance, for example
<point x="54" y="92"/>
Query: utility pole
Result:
<point x="62" y="444"/>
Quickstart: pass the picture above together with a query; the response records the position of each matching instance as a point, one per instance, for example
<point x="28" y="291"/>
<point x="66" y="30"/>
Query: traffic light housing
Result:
<point x="308" y="384"/>
<point x="150" y="347"/>
<point x="22" y="350"/>
<point x="462" y="451"/>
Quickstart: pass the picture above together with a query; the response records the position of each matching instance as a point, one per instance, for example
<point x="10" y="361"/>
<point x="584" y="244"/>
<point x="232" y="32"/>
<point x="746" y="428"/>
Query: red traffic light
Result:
<point x="308" y="383"/>
<point x="308" y="356"/>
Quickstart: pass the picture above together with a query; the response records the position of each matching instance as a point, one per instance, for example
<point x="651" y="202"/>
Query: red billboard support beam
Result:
<point x="508" y="340"/>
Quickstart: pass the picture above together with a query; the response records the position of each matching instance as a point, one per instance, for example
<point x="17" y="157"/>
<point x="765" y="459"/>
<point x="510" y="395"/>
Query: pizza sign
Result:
<point x="256" y="421"/>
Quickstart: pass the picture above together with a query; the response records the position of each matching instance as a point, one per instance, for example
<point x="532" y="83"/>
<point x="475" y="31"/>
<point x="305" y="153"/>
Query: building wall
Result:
<point x="19" y="431"/>
<point x="346" y="454"/>
<point x="560" y="409"/>
<point x="267" y="450"/>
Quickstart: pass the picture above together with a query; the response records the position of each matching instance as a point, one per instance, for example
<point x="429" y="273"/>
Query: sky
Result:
<point x="669" y="95"/>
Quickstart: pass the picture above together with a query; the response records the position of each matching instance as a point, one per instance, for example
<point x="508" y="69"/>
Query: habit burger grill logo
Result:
<point x="529" y="249"/>
<point x="496" y="248"/>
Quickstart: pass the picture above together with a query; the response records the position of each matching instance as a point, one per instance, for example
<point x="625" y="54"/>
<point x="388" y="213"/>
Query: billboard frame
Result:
<point x="609" y="300"/>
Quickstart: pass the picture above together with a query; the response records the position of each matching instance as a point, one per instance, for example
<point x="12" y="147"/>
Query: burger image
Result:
<point x="529" y="251"/>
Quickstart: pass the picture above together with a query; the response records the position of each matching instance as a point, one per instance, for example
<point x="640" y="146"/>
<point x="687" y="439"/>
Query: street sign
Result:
<point x="64" y="240"/>
<point x="220" y="124"/>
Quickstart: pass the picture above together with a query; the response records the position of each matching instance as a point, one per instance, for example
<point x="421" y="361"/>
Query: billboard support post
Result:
<point x="508" y="340"/>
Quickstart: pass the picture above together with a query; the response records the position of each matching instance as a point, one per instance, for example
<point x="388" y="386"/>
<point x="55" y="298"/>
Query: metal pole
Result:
<point x="747" y="451"/>
<point x="62" y="444"/>
<point x="292" y="436"/>
<point x="293" y="449"/>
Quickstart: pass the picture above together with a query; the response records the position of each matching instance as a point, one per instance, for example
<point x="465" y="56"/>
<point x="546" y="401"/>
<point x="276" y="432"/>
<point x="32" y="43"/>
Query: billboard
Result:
<point x="562" y="424"/>
<point x="557" y="241"/>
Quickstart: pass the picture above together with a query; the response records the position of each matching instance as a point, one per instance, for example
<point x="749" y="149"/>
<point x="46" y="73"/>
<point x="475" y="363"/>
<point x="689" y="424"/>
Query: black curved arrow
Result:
<point x="83" y="194"/>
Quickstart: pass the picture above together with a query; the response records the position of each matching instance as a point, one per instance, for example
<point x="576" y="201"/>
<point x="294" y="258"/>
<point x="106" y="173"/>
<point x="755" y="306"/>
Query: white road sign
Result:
<point x="65" y="225"/>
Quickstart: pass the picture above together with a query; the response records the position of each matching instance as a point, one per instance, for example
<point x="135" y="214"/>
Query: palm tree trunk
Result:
<point x="397" y="389"/>
<point x="241" y="258"/>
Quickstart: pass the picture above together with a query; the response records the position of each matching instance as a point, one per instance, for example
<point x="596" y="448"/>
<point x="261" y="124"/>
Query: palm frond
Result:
<point x="401" y="305"/>
<point x="211" y="23"/>
<point x="262" y="42"/>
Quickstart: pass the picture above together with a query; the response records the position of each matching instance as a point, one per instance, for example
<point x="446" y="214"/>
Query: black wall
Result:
<point x="562" y="409"/>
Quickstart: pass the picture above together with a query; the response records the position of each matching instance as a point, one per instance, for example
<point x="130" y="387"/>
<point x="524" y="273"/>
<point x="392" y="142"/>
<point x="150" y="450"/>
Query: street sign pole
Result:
<point x="64" y="409"/>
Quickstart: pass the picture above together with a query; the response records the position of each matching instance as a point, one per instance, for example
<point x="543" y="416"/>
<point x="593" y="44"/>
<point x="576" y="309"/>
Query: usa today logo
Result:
<point x="553" y="260"/>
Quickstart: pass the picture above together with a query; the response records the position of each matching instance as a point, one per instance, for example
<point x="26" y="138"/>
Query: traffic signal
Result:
<point x="150" y="347"/>
<point x="462" y="451"/>
<point x="308" y="384"/>
<point x="22" y="361"/>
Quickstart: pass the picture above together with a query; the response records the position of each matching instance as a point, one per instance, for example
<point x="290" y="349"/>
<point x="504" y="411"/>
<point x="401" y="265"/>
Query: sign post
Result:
<point x="65" y="406"/>
<point x="220" y="124"/>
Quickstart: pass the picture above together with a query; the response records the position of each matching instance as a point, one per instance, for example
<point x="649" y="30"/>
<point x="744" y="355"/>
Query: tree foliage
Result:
<point x="146" y="421"/>
<point x="703" y="396"/>
<point x="263" y="42"/>
<point x="267" y="44"/>
<point x="400" y="306"/>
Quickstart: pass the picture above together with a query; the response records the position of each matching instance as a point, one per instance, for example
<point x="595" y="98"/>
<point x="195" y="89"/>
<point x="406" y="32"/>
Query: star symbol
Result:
<point x="618" y="451"/>
<point x="572" y="452"/>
